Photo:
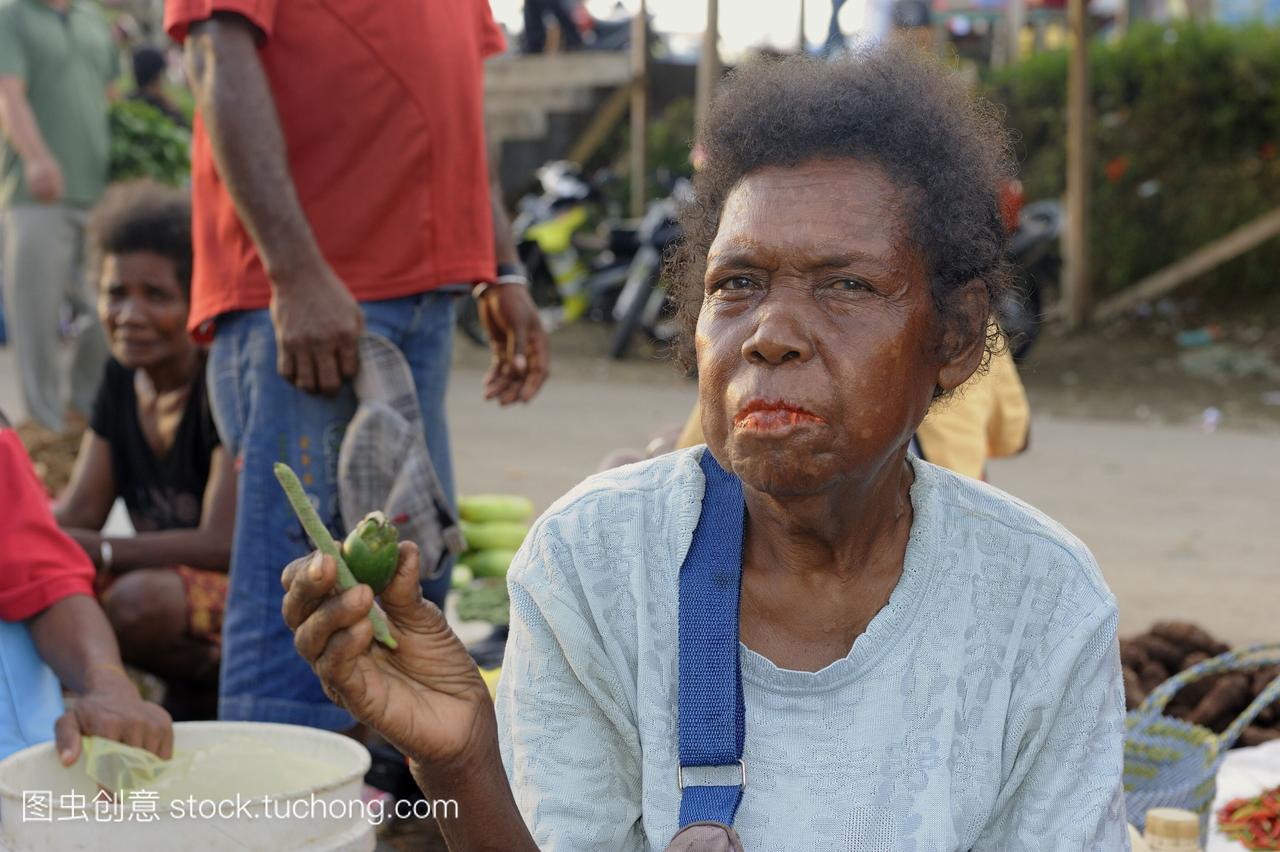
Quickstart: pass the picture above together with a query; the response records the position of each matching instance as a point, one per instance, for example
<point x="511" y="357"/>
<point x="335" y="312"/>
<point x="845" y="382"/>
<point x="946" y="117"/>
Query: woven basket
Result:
<point x="1169" y="763"/>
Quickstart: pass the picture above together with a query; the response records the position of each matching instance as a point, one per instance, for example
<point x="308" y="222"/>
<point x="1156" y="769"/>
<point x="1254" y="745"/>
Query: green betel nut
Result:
<point x="324" y="542"/>
<point x="372" y="551"/>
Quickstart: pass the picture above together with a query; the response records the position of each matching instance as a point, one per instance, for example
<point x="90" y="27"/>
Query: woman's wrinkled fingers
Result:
<point x="404" y="592"/>
<point x="336" y="666"/>
<point x="337" y="613"/>
<point x="307" y="583"/>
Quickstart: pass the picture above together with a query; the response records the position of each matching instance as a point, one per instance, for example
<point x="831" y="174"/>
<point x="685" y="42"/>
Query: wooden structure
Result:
<point x="1192" y="266"/>
<point x="709" y="68"/>
<point x="639" y="111"/>
<point x="522" y="92"/>
<point x="524" y="95"/>
<point x="1076" y="286"/>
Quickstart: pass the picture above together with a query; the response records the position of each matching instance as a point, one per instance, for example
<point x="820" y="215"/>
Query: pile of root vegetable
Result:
<point x="52" y="455"/>
<point x="1215" y="701"/>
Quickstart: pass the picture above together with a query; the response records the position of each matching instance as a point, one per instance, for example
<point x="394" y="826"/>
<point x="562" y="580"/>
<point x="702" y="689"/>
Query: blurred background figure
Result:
<point x="57" y="64"/>
<point x="988" y="418"/>
<point x="152" y="443"/>
<point x="149" y="68"/>
<point x="535" y="28"/>
<point x="835" y="37"/>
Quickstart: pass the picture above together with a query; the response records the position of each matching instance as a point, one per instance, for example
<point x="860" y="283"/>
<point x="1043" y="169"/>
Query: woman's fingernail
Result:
<point x="65" y="754"/>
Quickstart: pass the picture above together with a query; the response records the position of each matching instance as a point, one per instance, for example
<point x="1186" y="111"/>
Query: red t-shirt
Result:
<point x="381" y="104"/>
<point x="39" y="564"/>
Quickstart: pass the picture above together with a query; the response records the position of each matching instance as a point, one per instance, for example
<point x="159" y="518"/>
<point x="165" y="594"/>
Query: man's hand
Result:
<point x="521" y="353"/>
<point x="318" y="325"/>
<point x="114" y="710"/>
<point x="44" y="178"/>
<point x="426" y="697"/>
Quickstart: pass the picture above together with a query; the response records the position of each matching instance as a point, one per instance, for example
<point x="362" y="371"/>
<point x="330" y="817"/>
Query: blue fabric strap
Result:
<point x="712" y="714"/>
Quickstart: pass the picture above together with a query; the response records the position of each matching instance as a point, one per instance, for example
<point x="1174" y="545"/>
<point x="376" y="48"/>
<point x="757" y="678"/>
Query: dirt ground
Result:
<point x="1135" y="369"/>
<point x="1181" y="520"/>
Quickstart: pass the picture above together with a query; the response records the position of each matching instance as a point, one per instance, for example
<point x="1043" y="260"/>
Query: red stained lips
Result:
<point x="773" y="415"/>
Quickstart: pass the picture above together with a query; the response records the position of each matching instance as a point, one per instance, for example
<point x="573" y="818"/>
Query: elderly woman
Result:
<point x="800" y="629"/>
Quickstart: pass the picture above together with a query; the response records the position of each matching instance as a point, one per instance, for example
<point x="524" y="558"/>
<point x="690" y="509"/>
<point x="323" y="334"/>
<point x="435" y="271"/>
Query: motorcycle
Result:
<point x="1035" y="231"/>
<point x="644" y="303"/>
<point x="575" y="266"/>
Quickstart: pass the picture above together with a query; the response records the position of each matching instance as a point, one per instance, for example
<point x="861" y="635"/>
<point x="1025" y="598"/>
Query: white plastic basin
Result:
<point x="328" y="816"/>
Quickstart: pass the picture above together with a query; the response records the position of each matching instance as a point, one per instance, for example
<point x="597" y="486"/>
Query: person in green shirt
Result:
<point x="57" y="64"/>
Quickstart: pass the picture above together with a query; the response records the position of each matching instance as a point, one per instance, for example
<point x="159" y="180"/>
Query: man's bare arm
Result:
<point x="317" y="320"/>
<point x="521" y="352"/>
<point x="43" y="176"/>
<point x="239" y="114"/>
<point x="17" y="120"/>
<point x="75" y="639"/>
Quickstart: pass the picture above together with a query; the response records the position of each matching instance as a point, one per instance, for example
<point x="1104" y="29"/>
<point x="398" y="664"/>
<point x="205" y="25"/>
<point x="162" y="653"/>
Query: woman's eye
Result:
<point x="737" y="282"/>
<point x="849" y="284"/>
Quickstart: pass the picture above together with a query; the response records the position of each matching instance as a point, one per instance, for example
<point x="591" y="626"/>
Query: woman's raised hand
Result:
<point x="427" y="697"/>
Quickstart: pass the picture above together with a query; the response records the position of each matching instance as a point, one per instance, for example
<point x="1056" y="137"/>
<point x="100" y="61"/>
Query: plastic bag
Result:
<point x="120" y="768"/>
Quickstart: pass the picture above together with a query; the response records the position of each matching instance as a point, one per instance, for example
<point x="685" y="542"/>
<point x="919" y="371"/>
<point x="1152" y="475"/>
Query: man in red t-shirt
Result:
<point x="340" y="184"/>
<point x="52" y="629"/>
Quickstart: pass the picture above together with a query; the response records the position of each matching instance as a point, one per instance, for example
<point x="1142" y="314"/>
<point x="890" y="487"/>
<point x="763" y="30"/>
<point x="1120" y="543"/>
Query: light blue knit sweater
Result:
<point x="982" y="709"/>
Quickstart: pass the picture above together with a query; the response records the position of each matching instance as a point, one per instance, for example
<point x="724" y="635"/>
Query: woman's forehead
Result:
<point x="820" y="209"/>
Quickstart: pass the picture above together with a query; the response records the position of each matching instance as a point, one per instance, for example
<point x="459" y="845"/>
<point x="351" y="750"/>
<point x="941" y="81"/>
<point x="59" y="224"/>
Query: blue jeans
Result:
<point x="263" y="419"/>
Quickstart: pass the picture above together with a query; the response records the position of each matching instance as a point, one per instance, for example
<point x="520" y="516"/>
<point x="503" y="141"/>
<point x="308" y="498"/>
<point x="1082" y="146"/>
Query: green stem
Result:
<point x="325" y="544"/>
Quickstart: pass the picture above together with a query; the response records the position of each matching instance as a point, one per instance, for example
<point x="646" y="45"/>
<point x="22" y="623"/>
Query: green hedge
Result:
<point x="146" y="143"/>
<point x="1186" y="145"/>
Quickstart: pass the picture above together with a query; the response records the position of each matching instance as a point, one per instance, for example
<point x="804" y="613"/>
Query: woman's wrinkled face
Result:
<point x="143" y="309"/>
<point x="817" y="342"/>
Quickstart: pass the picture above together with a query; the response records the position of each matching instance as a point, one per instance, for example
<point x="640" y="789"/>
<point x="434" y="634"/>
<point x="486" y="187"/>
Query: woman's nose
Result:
<point x="780" y="335"/>
<point x="127" y="311"/>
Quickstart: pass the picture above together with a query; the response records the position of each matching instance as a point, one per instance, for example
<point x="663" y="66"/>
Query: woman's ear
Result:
<point x="964" y="339"/>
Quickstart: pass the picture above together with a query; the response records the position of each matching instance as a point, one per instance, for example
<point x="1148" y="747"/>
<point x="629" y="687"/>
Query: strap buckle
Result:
<point x="742" y="774"/>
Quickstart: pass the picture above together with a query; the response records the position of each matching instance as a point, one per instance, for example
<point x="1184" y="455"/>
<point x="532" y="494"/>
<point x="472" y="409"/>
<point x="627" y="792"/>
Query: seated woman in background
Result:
<point x="153" y="443"/>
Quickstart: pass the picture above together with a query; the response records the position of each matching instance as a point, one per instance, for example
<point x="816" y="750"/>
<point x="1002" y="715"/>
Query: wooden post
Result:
<point x="639" y="110"/>
<point x="1076" y="288"/>
<point x="708" y="66"/>
<point x="999" y="56"/>
<point x="801" y="27"/>
<point x="1017" y="21"/>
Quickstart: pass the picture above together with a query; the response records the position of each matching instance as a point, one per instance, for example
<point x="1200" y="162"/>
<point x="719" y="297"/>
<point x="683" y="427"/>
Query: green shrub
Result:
<point x="1186" y="145"/>
<point x="146" y="143"/>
